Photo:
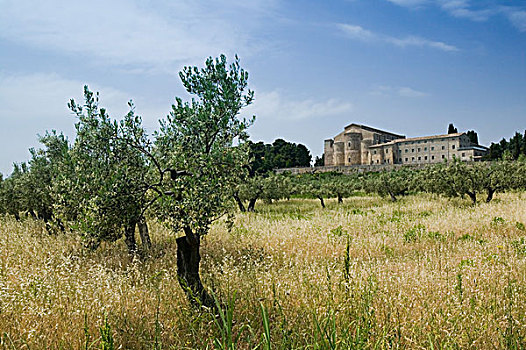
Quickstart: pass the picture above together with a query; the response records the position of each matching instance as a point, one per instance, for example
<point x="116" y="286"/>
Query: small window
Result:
<point x="453" y="146"/>
<point x="349" y="144"/>
<point x="388" y="161"/>
<point x="413" y="159"/>
<point x="432" y="157"/>
<point x="419" y="150"/>
<point x="443" y="156"/>
<point x="406" y="150"/>
<point x="419" y="158"/>
<point x="443" y="147"/>
<point x="374" y="151"/>
<point x="407" y="159"/>
<point x="377" y="161"/>
<point x="463" y="154"/>
<point x="386" y="151"/>
<point x="425" y="158"/>
<point x="349" y="159"/>
<point x="400" y="160"/>
<point x="432" y="148"/>
<point x="413" y="150"/>
<point x="425" y="148"/>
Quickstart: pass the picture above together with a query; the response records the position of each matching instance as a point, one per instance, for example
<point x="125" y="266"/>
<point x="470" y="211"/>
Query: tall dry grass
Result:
<point x="425" y="272"/>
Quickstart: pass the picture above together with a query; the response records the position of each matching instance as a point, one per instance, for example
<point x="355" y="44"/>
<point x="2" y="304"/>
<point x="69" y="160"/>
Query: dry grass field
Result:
<point x="422" y="273"/>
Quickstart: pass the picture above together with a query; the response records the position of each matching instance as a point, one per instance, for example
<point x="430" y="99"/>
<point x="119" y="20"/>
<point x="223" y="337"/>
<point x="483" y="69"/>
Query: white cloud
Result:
<point x="401" y="91"/>
<point x="473" y="10"/>
<point x="408" y="92"/>
<point x="462" y="9"/>
<point x="518" y="19"/>
<point x="31" y="104"/>
<point x="358" y="33"/>
<point x="420" y="42"/>
<point x="409" y="3"/>
<point x="132" y="32"/>
<point x="275" y="106"/>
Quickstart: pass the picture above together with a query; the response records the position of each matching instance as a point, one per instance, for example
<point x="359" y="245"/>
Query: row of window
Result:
<point x="413" y="158"/>
<point x="425" y="149"/>
<point x="413" y="150"/>
<point x="420" y="158"/>
<point x="424" y="141"/>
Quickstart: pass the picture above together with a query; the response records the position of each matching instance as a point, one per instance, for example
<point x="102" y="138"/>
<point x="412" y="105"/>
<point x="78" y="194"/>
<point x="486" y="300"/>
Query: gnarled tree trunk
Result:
<point x="129" y="237"/>
<point x="188" y="259"/>
<point x="491" y="192"/>
<point x="321" y="201"/>
<point x="473" y="197"/>
<point x="144" y="233"/>
<point x="239" y="203"/>
<point x="252" y="204"/>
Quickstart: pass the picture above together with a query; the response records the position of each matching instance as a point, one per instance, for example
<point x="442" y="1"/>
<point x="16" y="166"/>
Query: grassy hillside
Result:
<point x="424" y="272"/>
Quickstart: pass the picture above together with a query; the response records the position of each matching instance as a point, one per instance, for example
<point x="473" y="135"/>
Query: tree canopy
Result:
<point x="279" y="154"/>
<point x="514" y="148"/>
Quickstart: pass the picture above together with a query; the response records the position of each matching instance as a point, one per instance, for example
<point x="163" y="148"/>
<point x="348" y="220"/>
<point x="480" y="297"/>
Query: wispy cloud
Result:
<point x="409" y="3"/>
<point x="30" y="104"/>
<point x="42" y="98"/>
<point x="517" y="18"/>
<point x="132" y="32"/>
<point x="400" y="91"/>
<point x="275" y="105"/>
<point x="478" y="11"/>
<point x="462" y="9"/>
<point x="358" y="33"/>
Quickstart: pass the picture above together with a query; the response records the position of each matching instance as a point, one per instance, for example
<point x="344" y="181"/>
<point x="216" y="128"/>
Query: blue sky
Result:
<point x="407" y="66"/>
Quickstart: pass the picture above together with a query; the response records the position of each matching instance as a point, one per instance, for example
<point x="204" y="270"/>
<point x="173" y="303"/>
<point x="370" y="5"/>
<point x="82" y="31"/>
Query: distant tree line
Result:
<point x="279" y="154"/>
<point x="451" y="179"/>
<point x="514" y="149"/>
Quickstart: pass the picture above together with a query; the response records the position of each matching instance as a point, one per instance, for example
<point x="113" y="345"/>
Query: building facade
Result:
<point x="363" y="145"/>
<point x="351" y="146"/>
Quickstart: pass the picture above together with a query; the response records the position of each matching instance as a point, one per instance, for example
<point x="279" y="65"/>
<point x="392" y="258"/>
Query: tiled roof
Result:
<point x="365" y="127"/>
<point x="420" y="138"/>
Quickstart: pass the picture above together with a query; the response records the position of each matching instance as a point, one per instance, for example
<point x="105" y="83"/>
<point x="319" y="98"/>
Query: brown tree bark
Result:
<point x="473" y="197"/>
<point x="144" y="233"/>
<point x="239" y="203"/>
<point x="491" y="192"/>
<point x="252" y="204"/>
<point x="321" y="201"/>
<point x="129" y="237"/>
<point x="188" y="259"/>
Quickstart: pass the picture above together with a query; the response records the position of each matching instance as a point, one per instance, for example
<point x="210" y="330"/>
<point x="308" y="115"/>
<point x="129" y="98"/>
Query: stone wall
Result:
<point x="347" y="169"/>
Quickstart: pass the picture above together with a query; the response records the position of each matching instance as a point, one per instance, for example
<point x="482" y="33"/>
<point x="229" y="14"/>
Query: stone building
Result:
<point x="363" y="145"/>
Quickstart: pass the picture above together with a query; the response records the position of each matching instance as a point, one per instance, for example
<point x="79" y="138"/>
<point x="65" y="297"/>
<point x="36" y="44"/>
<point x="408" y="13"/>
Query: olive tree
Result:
<point x="102" y="188"/>
<point x="454" y="179"/>
<point x="392" y="183"/>
<point x="250" y="190"/>
<point x="341" y="186"/>
<point x="13" y="200"/>
<point x="200" y="156"/>
<point x="313" y="185"/>
<point x="499" y="176"/>
<point x="269" y="187"/>
<point x="276" y="187"/>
